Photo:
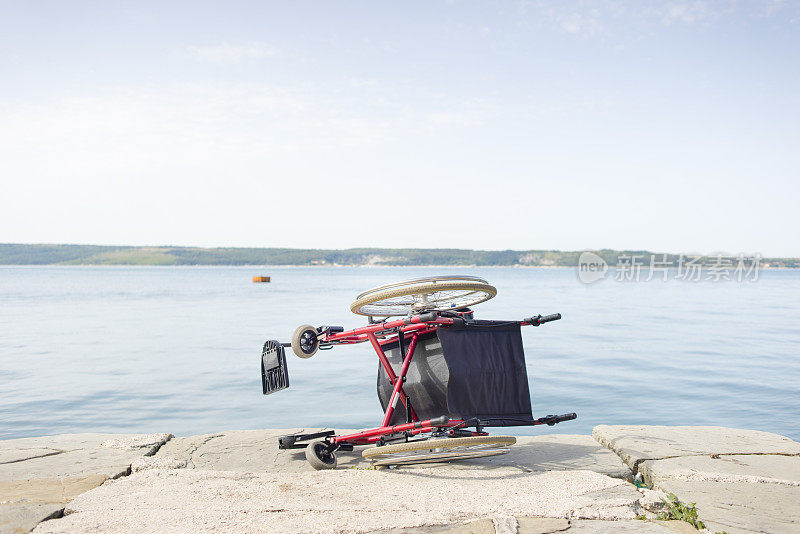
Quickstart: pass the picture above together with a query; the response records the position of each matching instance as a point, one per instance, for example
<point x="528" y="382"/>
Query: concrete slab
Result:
<point x="734" y="493"/>
<point x="257" y="451"/>
<point x="550" y="525"/>
<point x="616" y="527"/>
<point x="351" y="500"/>
<point x="70" y="455"/>
<point x="18" y="518"/>
<point x="735" y="490"/>
<point x="157" y="462"/>
<point x="636" y="443"/>
<point x="48" y="490"/>
<point x="757" y="469"/>
<point x="541" y="525"/>
<point x="39" y="475"/>
<point x="518" y="525"/>
<point x="653" y="500"/>
<point x="741" y="508"/>
<point x="554" y="452"/>
<point x="481" y="526"/>
<point x="678" y="527"/>
<point x="248" y="451"/>
<point x="18" y="454"/>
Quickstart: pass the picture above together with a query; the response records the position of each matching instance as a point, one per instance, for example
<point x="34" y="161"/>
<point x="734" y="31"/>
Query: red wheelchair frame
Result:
<point x="384" y="333"/>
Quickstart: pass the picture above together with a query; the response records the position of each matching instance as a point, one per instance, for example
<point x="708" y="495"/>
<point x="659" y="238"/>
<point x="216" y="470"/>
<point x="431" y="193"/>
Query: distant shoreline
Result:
<point x="294" y="266"/>
<point x="287" y="266"/>
<point x="85" y="255"/>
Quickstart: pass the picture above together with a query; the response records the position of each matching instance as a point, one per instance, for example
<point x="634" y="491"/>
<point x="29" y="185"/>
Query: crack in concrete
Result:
<point x="190" y="460"/>
<point x="156" y="447"/>
<point x="57" y="514"/>
<point x="34" y="457"/>
<point x="705" y="476"/>
<point x="754" y="480"/>
<point x="61" y="512"/>
<point x="636" y="464"/>
<point x="125" y="473"/>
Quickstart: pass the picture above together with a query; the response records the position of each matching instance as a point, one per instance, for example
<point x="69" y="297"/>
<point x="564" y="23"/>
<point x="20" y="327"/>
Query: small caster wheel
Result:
<point x="320" y="455"/>
<point x="304" y="341"/>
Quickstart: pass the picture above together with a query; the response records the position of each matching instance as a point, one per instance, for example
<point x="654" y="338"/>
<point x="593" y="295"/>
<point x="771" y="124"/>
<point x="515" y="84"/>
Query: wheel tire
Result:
<point x="304" y="341"/>
<point x="383" y="455"/>
<point x="318" y="456"/>
<point x="376" y="296"/>
<point x="434" y="458"/>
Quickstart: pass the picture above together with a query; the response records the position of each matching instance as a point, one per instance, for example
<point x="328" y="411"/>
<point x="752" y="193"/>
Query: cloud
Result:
<point x="590" y="18"/>
<point x="229" y="53"/>
<point x="584" y="23"/>
<point x="126" y="131"/>
<point x="152" y="128"/>
<point x="573" y="18"/>
<point x="687" y="12"/>
<point x="120" y="164"/>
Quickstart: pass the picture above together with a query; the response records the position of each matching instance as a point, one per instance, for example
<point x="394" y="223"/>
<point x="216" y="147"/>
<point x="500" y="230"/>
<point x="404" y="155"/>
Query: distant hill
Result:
<point x="16" y="254"/>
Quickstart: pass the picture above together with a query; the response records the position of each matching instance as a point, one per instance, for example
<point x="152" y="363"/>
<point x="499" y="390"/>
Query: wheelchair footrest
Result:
<point x="290" y="442"/>
<point x="274" y="373"/>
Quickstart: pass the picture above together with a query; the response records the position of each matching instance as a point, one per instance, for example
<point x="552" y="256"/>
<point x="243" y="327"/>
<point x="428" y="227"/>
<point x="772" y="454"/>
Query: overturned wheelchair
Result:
<point x="443" y="377"/>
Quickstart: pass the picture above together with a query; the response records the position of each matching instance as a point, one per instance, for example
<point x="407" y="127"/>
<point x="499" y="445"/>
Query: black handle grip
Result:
<point x="548" y="318"/>
<point x="536" y="320"/>
<point x="440" y="421"/>
<point x="555" y="419"/>
<point x="429" y="316"/>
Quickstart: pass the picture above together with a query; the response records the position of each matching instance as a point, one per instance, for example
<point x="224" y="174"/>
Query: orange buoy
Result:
<point x="261" y="279"/>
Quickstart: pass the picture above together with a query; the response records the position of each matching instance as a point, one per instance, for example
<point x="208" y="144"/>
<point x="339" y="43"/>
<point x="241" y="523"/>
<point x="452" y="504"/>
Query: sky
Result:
<point x="666" y="126"/>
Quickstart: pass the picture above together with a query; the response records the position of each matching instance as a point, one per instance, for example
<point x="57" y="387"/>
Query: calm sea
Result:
<point x="177" y="349"/>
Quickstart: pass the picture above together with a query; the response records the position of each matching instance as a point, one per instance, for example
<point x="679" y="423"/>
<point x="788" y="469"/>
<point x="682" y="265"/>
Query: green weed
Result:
<point x="680" y="511"/>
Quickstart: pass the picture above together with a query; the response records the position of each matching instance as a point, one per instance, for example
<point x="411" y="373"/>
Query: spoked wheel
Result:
<point x="304" y="341"/>
<point x="320" y="456"/>
<point x="439" y="450"/>
<point x="437" y="293"/>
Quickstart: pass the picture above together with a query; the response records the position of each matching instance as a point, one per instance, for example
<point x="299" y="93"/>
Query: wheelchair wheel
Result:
<point x="439" y="450"/>
<point x="320" y="456"/>
<point x="304" y="341"/>
<point x="426" y="294"/>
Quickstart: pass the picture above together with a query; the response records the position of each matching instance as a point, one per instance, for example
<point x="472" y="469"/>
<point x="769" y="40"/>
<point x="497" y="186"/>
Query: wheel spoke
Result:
<point x="404" y="298"/>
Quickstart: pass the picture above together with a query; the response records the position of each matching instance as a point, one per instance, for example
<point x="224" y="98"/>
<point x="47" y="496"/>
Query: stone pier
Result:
<point x="239" y="481"/>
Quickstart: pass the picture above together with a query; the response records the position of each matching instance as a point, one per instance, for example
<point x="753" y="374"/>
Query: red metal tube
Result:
<point x="382" y="357"/>
<point x="416" y="427"/>
<point x="386" y="325"/>
<point x="389" y="371"/>
<point x="398" y="385"/>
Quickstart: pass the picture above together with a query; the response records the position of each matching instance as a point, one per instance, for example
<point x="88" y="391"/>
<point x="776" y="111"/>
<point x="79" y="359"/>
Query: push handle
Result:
<point x="555" y="419"/>
<point x="536" y="320"/>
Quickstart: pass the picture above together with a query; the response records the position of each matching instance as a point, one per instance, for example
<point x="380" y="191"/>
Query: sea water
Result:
<point x="177" y="349"/>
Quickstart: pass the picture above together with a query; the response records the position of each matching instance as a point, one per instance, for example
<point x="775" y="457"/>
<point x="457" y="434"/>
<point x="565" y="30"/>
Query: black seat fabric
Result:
<point x="476" y="369"/>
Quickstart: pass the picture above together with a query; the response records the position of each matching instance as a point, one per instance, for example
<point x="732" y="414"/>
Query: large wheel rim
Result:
<point x="452" y="456"/>
<point x="425" y="280"/>
<point x="439" y="450"/>
<point x="427" y="294"/>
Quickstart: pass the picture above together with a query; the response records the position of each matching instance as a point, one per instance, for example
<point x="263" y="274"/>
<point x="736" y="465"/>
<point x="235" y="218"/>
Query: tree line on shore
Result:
<point x="33" y="254"/>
